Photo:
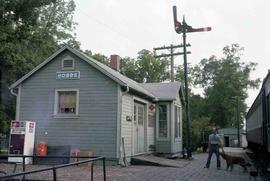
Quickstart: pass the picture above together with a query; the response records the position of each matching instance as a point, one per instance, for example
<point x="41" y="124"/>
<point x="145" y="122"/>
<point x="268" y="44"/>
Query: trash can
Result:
<point x="42" y="148"/>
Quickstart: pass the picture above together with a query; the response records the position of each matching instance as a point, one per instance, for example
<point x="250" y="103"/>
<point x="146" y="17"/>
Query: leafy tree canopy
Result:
<point x="145" y="68"/>
<point x="149" y="68"/>
<point x="225" y="79"/>
<point x="30" y="31"/>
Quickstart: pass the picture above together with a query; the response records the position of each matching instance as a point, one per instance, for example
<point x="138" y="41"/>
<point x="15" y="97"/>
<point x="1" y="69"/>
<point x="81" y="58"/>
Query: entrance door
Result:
<point x="138" y="128"/>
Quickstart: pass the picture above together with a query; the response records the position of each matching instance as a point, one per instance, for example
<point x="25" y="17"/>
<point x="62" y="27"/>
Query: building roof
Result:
<point x="162" y="91"/>
<point x="230" y="131"/>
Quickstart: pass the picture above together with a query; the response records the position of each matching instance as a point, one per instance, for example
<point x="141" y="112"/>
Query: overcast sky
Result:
<point x="125" y="27"/>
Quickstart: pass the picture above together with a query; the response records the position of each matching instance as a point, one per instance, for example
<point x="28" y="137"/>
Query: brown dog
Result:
<point x="231" y="160"/>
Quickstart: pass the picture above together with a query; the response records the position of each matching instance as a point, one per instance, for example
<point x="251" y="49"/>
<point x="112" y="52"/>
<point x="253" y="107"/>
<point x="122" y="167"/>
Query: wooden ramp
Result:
<point x="158" y="161"/>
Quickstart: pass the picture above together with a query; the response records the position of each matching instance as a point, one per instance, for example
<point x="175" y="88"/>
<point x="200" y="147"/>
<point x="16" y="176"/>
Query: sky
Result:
<point x="125" y="27"/>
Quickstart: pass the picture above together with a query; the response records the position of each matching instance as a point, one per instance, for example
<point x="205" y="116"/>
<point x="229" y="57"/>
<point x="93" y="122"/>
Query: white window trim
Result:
<point x="56" y="115"/>
<point x="68" y="68"/>
<point x="168" y="114"/>
<point x="180" y="121"/>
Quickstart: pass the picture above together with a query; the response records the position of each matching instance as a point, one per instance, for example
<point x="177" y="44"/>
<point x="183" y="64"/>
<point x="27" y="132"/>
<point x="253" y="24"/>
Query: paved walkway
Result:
<point x="192" y="171"/>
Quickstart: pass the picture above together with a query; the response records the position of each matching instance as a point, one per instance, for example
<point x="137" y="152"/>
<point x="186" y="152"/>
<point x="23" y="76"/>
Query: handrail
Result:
<point x="92" y="159"/>
<point x="49" y="156"/>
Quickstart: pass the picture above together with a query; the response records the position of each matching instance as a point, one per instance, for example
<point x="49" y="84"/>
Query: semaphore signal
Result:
<point x="185" y="28"/>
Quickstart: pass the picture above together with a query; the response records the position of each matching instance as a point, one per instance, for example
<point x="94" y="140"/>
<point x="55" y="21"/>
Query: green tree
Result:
<point x="149" y="68"/>
<point x="180" y="76"/>
<point x="98" y="56"/>
<point x="101" y="58"/>
<point x="128" y="67"/>
<point x="224" y="79"/>
<point x="199" y="121"/>
<point x="146" y="68"/>
<point x="30" y="30"/>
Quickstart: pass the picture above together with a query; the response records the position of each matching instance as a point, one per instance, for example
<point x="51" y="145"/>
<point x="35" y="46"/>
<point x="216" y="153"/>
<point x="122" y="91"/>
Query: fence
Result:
<point x="54" y="168"/>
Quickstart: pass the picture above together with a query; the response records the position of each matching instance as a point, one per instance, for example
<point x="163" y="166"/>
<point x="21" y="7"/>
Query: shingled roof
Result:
<point x="154" y="91"/>
<point x="164" y="91"/>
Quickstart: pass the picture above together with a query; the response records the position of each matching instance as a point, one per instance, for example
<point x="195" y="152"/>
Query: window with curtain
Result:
<point x="67" y="102"/>
<point x="177" y="121"/>
<point x="162" y="122"/>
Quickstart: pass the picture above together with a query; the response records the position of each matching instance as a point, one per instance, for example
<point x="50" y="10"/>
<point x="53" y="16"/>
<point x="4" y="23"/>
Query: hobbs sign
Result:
<point x="68" y="75"/>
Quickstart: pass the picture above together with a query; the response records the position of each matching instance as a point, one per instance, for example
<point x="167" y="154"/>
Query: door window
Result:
<point x="140" y="115"/>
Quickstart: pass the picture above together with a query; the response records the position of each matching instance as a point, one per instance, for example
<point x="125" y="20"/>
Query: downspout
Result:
<point x="126" y="91"/>
<point x="17" y="95"/>
<point x="12" y="92"/>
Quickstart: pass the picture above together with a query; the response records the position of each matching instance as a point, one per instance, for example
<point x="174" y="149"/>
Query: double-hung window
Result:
<point x="66" y="102"/>
<point x="163" y="121"/>
<point x="177" y="121"/>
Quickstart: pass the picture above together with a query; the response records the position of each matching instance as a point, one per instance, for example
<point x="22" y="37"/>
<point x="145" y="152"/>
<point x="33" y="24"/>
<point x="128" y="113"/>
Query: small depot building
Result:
<point x="230" y="137"/>
<point x="78" y="101"/>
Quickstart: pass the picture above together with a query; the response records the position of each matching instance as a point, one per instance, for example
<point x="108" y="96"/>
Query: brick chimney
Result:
<point x="115" y="62"/>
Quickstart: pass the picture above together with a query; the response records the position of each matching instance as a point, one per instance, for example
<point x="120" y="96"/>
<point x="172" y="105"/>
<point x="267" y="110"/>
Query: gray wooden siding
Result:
<point x="163" y="146"/>
<point x="127" y="110"/>
<point x="95" y="127"/>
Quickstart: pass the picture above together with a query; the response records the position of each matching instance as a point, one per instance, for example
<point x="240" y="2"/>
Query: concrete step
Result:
<point x="157" y="161"/>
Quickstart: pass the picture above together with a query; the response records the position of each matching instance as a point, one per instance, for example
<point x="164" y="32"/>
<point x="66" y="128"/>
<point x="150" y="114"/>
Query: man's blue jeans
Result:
<point x="214" y="148"/>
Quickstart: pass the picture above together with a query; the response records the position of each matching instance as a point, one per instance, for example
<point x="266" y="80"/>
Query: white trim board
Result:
<point x="55" y="112"/>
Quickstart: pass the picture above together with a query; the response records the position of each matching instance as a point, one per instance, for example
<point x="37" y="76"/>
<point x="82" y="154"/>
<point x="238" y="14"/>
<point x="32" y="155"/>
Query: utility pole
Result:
<point x="172" y="65"/>
<point x="172" y="49"/>
<point x="185" y="28"/>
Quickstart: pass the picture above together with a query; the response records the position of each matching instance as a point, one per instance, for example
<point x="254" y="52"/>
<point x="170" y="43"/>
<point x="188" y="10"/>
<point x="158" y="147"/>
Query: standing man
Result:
<point x="213" y="147"/>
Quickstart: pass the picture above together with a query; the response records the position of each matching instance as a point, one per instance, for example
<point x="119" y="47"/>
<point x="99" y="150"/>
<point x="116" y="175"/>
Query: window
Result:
<point x="68" y="63"/>
<point x="66" y="102"/>
<point x="163" y="121"/>
<point x="177" y="118"/>
<point x="151" y="120"/>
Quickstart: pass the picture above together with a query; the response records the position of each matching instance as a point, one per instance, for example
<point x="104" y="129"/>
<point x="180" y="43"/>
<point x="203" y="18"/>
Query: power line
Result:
<point x="107" y="27"/>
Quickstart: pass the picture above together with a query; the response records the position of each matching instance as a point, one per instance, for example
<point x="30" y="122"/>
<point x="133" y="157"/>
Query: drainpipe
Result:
<point x="17" y="95"/>
<point x="126" y="91"/>
<point x="12" y="92"/>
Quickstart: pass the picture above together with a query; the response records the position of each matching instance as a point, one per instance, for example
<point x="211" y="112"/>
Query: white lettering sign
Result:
<point x="68" y="75"/>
